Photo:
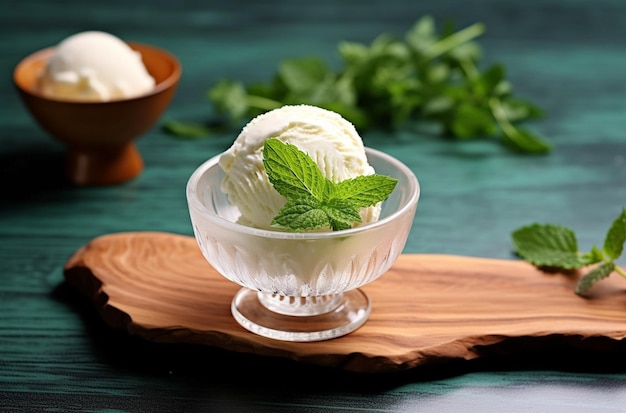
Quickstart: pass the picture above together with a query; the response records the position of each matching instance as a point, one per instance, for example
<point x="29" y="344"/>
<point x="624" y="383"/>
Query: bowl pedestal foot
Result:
<point x="98" y="166"/>
<point x="300" y="319"/>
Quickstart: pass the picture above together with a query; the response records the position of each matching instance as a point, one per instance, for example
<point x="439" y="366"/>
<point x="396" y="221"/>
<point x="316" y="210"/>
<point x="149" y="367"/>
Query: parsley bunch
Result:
<point x="556" y="246"/>
<point x="392" y="83"/>
<point x="314" y="201"/>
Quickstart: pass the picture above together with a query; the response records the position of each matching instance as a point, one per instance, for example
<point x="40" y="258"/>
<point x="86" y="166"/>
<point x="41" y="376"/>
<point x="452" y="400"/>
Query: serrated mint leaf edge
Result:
<point x="616" y="237"/>
<point x="588" y="280"/>
<point x="560" y="250"/>
<point x="372" y="189"/>
<point x="291" y="171"/>
<point x="301" y="217"/>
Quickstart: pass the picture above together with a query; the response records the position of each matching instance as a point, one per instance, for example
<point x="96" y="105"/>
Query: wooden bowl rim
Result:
<point x="45" y="53"/>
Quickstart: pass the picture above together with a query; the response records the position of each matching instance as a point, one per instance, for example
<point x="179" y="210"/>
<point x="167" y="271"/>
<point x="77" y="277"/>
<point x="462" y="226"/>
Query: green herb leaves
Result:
<point x="313" y="201"/>
<point x="428" y="76"/>
<point x="549" y="246"/>
<point x="615" y="238"/>
<point x="556" y="246"/>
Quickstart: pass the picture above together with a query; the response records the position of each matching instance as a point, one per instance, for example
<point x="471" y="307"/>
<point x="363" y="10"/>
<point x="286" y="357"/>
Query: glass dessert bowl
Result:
<point x="301" y="286"/>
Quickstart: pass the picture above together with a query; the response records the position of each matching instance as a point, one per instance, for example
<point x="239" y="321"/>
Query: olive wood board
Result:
<point x="426" y="309"/>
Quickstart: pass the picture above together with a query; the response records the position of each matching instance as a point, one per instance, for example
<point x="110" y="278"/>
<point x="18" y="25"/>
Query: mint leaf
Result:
<point x="470" y="121"/>
<point x="301" y="216"/>
<point x="342" y="214"/>
<point x="303" y="74"/>
<point x="292" y="172"/>
<point x="491" y="79"/>
<point x="616" y="237"/>
<point x="517" y="110"/>
<point x="593" y="276"/>
<point x="523" y="140"/>
<point x="314" y="201"/>
<point x="189" y="130"/>
<point x="365" y="190"/>
<point x="517" y="138"/>
<point x="548" y="246"/>
<point x="230" y="97"/>
<point x="422" y="35"/>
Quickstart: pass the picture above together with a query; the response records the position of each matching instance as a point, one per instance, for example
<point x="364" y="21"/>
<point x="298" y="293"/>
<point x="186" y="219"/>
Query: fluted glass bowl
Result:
<point x="301" y="286"/>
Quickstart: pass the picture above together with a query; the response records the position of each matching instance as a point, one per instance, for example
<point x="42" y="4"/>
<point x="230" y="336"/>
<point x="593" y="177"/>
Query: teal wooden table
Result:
<point x="56" y="354"/>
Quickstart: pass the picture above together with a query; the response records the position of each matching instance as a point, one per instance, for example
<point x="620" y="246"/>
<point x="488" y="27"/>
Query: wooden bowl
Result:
<point x="100" y="135"/>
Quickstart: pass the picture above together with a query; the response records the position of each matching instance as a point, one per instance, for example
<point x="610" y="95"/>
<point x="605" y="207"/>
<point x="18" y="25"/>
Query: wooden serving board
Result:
<point x="426" y="308"/>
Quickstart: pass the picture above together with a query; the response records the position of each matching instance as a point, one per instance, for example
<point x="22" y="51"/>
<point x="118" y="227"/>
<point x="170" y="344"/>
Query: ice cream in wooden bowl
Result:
<point x="97" y="94"/>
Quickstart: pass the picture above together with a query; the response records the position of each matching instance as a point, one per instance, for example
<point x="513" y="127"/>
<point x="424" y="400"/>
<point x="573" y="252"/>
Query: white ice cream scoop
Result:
<point x="331" y="141"/>
<point x="94" y="66"/>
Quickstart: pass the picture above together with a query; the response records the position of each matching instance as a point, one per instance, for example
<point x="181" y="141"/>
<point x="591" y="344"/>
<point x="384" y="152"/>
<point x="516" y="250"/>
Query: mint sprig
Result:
<point x="554" y="246"/>
<point x="314" y="201"/>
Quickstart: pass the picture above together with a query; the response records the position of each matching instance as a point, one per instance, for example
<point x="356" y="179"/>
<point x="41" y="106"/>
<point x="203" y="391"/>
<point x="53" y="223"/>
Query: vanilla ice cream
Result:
<point x="331" y="141"/>
<point x="94" y="66"/>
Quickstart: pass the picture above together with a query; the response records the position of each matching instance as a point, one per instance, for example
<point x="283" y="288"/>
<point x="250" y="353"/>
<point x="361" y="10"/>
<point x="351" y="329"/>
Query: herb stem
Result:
<point x="470" y="69"/>
<point x="500" y="116"/>
<point x="620" y="271"/>
<point x="450" y="42"/>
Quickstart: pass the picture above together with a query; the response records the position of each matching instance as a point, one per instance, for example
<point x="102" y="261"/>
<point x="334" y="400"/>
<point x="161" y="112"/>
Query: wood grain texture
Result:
<point x="426" y="309"/>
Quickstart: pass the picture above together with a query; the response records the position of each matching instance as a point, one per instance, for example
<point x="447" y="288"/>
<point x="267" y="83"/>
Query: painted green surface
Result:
<point x="56" y="355"/>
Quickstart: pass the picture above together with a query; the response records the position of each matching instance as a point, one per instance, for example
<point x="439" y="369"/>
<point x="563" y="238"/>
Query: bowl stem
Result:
<point x="96" y="166"/>
<point x="300" y="318"/>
